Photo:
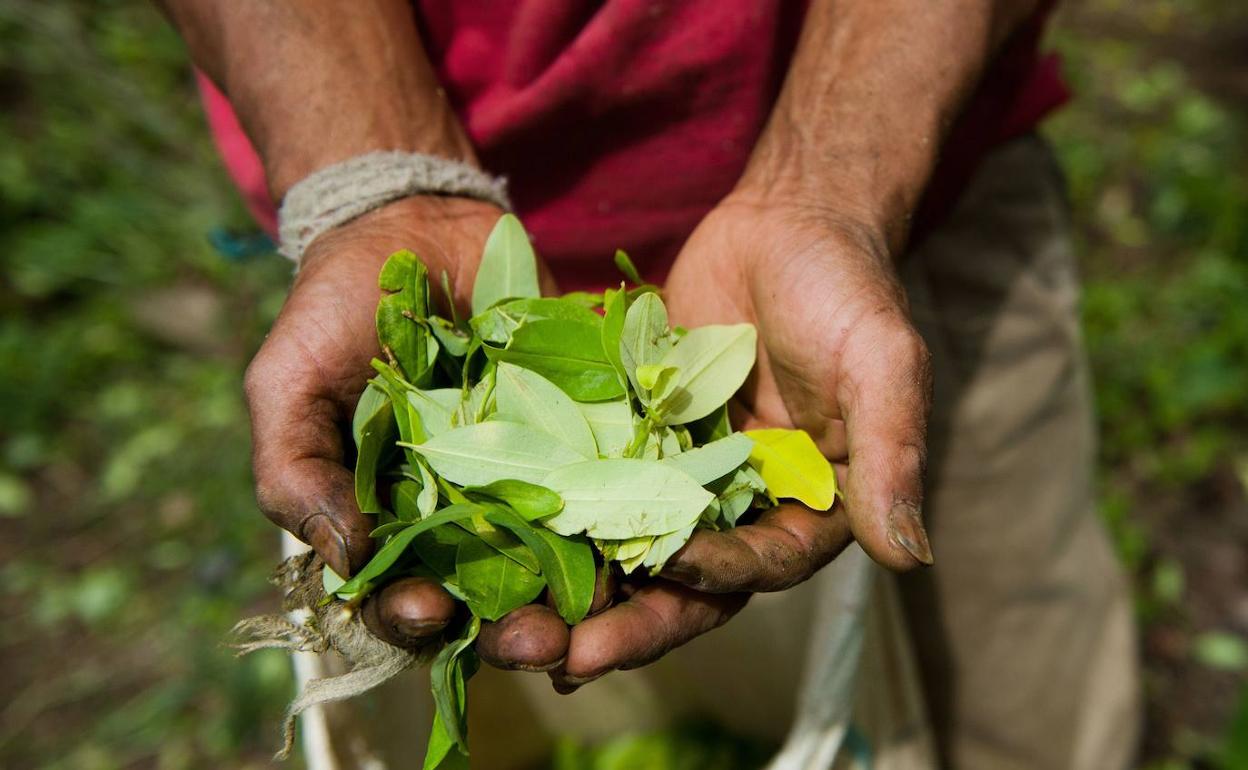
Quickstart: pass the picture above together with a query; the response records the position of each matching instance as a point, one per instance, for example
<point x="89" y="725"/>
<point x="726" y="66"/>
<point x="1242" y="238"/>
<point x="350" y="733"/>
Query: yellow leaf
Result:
<point x="792" y="466"/>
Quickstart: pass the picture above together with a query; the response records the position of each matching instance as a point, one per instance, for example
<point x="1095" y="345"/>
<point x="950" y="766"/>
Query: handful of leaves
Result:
<point x="524" y="449"/>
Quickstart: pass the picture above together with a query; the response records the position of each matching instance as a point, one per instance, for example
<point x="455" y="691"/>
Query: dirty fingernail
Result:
<point x="320" y="533"/>
<point x="566" y="685"/>
<point x="538" y="668"/>
<point x="564" y="689"/>
<point x="905" y="528"/>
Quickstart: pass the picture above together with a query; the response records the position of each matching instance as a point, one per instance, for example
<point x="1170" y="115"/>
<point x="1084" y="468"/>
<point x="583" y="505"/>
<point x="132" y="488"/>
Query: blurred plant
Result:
<point x="1166" y="244"/>
<point x="1158" y="173"/>
<point x="128" y="536"/>
<point x="689" y="746"/>
<point x="1234" y="752"/>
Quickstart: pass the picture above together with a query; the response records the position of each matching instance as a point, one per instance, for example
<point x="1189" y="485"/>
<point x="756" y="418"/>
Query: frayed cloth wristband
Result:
<point x="336" y="194"/>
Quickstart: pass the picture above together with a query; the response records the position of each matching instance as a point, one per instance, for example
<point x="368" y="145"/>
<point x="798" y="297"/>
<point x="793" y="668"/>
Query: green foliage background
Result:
<point x="129" y="540"/>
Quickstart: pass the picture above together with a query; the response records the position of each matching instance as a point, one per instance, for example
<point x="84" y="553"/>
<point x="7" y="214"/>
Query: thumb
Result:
<point x="301" y="484"/>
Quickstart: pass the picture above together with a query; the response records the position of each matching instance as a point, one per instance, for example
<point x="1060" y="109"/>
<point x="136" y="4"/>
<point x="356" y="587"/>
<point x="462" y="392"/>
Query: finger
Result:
<point x="408" y="611"/>
<point x="531" y="638"/>
<point x="655" y="620"/>
<point x="787" y="545"/>
<point x="885" y="398"/>
<point x="301" y="484"/>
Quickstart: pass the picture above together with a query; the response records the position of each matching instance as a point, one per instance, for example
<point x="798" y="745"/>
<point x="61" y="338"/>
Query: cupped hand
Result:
<point x="839" y="358"/>
<point x="303" y="384"/>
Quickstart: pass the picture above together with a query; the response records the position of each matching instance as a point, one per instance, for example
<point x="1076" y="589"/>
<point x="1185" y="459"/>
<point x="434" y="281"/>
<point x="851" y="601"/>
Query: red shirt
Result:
<point x="621" y="123"/>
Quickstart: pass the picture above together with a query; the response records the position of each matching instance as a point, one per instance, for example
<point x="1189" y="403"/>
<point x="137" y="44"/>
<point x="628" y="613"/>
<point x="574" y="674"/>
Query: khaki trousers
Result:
<point x="1017" y="650"/>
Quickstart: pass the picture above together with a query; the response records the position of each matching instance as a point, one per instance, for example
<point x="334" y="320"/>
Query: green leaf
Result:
<point x="713" y="362"/>
<point x="567" y="563"/>
<point x="613" y="330"/>
<point x="666" y="545"/>
<point x="330" y="581"/>
<point x="497" y="324"/>
<point x="427" y="500"/>
<point x="396" y="389"/>
<point x="451" y="492"/>
<point x="447" y="676"/>
<point x="434" y="408"/>
<point x="645" y="288"/>
<point x="644" y="338"/>
<point x="648" y="374"/>
<point x="529" y="398"/>
<point x="626" y="266"/>
<point x="793" y="467"/>
<point x="669" y="443"/>
<point x="711" y="461"/>
<point x="508" y="266"/>
<point x="632" y="553"/>
<point x="389" y="553"/>
<point x="437" y="548"/>
<point x="586" y="299"/>
<point x="401" y="317"/>
<point x="417" y="495"/>
<point x="451" y="339"/>
<point x="403" y="497"/>
<point x="477" y="404"/>
<point x="492" y="583"/>
<point x="712" y="427"/>
<point x="659" y="385"/>
<point x="386" y="530"/>
<point x="332" y="584"/>
<point x="661" y="443"/>
<point x="398" y="271"/>
<point x="403" y="340"/>
<point x="684" y="438"/>
<point x="470" y="361"/>
<point x="1234" y="753"/>
<point x="476" y="455"/>
<point x="736" y="493"/>
<point x="501" y="540"/>
<point x="372" y="399"/>
<point x="1222" y="651"/>
<point x="439" y="754"/>
<point x="713" y="513"/>
<point x="448" y="296"/>
<point x="612" y="425"/>
<point x="568" y="353"/>
<point x="624" y="498"/>
<point x="376" y="437"/>
<point x="528" y="500"/>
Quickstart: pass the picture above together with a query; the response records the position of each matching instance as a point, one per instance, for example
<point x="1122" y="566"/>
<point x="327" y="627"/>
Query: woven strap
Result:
<point x="341" y="192"/>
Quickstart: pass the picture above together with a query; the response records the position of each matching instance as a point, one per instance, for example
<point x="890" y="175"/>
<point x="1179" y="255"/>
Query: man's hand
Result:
<point x="838" y="358"/>
<point x="315" y="83"/>
<point x="304" y="382"/>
